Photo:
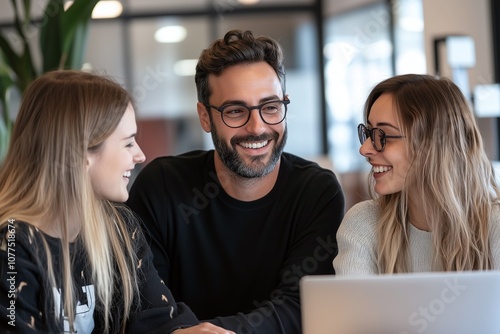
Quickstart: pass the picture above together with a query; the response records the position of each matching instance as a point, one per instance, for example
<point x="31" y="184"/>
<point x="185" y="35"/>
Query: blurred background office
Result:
<point x="335" y="51"/>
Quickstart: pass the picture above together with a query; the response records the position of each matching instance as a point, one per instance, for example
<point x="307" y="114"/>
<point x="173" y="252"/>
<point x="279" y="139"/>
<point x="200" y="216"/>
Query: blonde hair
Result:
<point x="450" y="174"/>
<point x="44" y="180"/>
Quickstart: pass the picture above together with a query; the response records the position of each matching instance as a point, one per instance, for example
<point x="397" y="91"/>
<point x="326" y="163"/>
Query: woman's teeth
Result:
<point x="254" y="145"/>
<point x="127" y="174"/>
<point x="381" y="169"/>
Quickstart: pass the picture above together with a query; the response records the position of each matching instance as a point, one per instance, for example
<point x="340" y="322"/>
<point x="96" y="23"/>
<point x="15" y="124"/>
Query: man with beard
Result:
<point x="234" y="229"/>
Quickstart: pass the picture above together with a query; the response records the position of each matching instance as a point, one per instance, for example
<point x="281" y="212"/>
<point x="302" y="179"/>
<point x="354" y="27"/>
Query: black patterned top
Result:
<point x="29" y="304"/>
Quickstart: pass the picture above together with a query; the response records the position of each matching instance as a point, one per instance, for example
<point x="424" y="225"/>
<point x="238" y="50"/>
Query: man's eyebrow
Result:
<point x="241" y="102"/>
<point x="269" y="98"/>
<point x="233" y="102"/>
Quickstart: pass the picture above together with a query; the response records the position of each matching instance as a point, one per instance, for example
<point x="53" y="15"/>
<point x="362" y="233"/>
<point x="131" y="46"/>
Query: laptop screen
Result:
<point x="428" y="303"/>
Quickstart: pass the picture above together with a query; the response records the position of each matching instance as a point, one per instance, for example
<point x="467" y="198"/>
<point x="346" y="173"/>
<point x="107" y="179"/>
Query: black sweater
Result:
<point x="238" y="264"/>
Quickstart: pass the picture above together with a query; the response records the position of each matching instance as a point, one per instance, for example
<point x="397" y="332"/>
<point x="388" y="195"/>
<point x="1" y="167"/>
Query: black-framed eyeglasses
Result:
<point x="378" y="137"/>
<point x="237" y="115"/>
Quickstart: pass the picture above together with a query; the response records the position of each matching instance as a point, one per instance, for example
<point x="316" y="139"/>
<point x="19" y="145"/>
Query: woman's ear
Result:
<point x="204" y="117"/>
<point x="90" y="160"/>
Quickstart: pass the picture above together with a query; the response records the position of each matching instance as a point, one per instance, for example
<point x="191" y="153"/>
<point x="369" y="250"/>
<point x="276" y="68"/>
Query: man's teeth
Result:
<point x="127" y="174"/>
<point x="380" y="169"/>
<point x="254" y="145"/>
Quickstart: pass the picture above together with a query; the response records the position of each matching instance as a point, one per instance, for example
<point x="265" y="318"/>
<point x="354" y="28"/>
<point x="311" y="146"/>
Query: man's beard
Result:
<point x="235" y="163"/>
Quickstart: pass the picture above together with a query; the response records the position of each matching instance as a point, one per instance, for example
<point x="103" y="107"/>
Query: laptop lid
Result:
<point x="427" y="303"/>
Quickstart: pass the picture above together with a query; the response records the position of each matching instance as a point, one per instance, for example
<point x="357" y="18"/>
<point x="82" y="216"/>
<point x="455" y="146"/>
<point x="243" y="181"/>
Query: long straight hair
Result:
<point x="450" y="174"/>
<point x="44" y="181"/>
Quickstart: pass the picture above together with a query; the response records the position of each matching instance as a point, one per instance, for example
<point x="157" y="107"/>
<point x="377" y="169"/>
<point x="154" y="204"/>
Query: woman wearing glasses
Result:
<point x="435" y="203"/>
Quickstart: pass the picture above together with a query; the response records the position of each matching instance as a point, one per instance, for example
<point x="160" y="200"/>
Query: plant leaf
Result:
<point x="21" y="65"/>
<point x="9" y="55"/>
<point x="77" y="51"/>
<point x="6" y="83"/>
<point x="17" y="19"/>
<point x="27" y="11"/>
<point x="51" y="35"/>
<point x="16" y="63"/>
<point x="74" y="24"/>
<point x="27" y="57"/>
<point x="4" y="140"/>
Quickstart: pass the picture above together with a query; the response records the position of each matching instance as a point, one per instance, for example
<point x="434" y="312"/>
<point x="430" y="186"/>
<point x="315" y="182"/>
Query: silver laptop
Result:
<point x="420" y="303"/>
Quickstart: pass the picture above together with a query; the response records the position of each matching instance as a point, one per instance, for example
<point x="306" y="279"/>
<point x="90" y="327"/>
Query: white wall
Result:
<point x="472" y="18"/>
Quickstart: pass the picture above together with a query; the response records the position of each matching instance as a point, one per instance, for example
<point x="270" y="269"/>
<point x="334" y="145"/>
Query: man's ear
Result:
<point x="204" y="117"/>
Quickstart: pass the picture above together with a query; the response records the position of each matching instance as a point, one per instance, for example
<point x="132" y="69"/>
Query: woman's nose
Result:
<point x="139" y="157"/>
<point x="367" y="148"/>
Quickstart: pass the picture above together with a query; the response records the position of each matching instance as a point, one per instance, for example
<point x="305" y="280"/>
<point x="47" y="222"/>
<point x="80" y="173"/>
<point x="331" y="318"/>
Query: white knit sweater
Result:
<point x="357" y="242"/>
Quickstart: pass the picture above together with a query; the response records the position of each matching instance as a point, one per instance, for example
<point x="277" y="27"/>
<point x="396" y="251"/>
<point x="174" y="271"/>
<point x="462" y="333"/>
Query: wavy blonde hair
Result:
<point x="450" y="174"/>
<point x="44" y="180"/>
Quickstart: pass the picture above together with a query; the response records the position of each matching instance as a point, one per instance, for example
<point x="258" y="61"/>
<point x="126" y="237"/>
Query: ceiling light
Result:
<point x="248" y="2"/>
<point x="104" y="9"/>
<point x="170" y="34"/>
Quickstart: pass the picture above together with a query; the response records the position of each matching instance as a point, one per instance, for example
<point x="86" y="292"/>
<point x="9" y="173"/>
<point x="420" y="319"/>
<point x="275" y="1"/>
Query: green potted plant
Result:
<point x="62" y="41"/>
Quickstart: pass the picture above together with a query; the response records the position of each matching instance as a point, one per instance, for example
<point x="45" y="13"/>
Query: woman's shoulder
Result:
<point x="496" y="212"/>
<point x="366" y="210"/>
<point x="25" y="238"/>
<point x="19" y="230"/>
<point x="362" y="218"/>
<point x="495" y="219"/>
<point x="494" y="237"/>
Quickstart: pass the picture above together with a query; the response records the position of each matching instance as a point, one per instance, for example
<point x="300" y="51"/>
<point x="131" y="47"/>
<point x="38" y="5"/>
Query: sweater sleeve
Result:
<point x="356" y="238"/>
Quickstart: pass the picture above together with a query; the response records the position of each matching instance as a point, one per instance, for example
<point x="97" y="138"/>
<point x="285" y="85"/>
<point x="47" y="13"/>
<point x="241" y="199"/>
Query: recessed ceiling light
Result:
<point x="248" y="2"/>
<point x="170" y="34"/>
<point x="107" y="9"/>
<point x="104" y="9"/>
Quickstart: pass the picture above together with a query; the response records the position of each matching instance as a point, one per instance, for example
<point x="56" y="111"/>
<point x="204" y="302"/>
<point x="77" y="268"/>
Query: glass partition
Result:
<point x="358" y="52"/>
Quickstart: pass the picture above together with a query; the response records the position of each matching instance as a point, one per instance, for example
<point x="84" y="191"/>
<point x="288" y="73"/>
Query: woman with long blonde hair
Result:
<point x="72" y="258"/>
<point x="435" y="203"/>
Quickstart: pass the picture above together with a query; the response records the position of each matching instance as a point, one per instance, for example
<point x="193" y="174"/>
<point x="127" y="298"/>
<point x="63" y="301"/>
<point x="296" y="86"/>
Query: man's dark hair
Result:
<point x="237" y="47"/>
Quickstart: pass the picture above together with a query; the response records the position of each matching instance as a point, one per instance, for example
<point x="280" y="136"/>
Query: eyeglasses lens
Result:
<point x="237" y="115"/>
<point x="377" y="137"/>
